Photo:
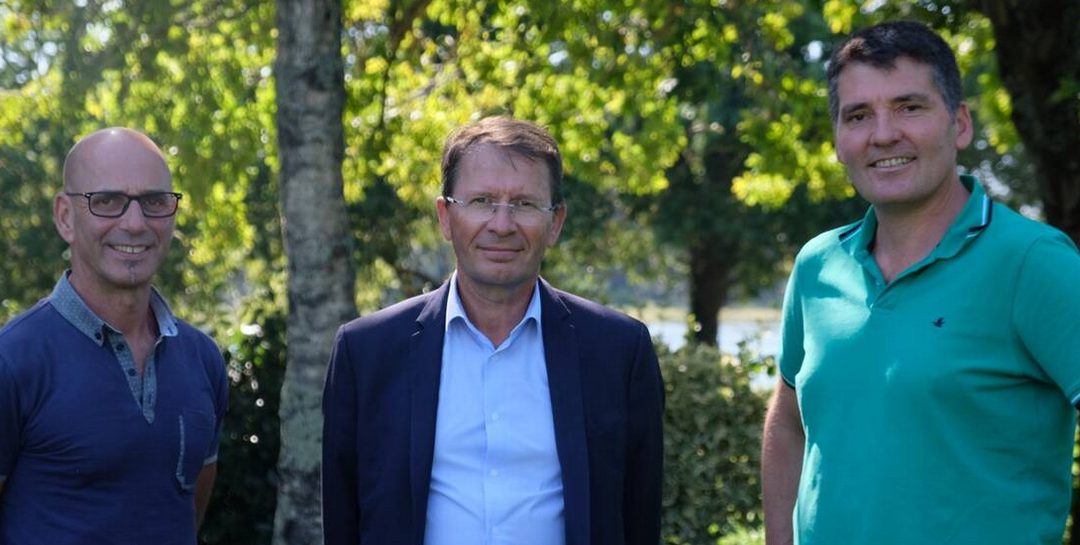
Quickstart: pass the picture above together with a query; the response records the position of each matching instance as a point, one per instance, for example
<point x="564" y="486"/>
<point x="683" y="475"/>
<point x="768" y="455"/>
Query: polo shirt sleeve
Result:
<point x="791" y="331"/>
<point x="1046" y="307"/>
<point x="9" y="421"/>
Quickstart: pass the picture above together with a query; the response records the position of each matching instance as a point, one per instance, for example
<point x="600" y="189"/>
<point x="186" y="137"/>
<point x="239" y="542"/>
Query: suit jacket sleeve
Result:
<point x="645" y="457"/>
<point x="340" y="504"/>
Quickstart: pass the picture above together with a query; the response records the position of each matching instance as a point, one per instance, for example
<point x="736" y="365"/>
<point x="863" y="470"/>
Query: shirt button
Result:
<point x="496" y="416"/>
<point x="119" y="347"/>
<point x="494" y="473"/>
<point x="131" y="372"/>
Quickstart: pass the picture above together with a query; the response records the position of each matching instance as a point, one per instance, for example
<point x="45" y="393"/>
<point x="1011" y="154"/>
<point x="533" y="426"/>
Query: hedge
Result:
<point x="712" y="441"/>
<point x="712" y="445"/>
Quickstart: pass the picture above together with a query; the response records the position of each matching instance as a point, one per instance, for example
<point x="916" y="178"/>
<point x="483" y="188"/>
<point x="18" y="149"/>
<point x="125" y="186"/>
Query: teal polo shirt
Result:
<point x="938" y="408"/>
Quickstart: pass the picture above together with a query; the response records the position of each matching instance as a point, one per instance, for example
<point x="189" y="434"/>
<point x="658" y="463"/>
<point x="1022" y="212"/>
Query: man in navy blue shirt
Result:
<point x="495" y="409"/>
<point x="110" y="407"/>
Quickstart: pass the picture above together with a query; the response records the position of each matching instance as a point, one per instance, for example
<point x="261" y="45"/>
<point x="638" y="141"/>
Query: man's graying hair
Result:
<point x="880" y="46"/>
<point x="512" y="136"/>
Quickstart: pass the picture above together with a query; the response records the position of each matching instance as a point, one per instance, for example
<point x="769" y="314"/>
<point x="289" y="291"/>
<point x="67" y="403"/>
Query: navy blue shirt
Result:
<point x="90" y="450"/>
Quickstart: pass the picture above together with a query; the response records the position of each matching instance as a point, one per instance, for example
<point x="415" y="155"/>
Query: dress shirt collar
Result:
<point x="455" y="310"/>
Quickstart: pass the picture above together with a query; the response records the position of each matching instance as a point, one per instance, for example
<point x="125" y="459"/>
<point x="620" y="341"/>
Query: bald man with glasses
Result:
<point x="110" y="406"/>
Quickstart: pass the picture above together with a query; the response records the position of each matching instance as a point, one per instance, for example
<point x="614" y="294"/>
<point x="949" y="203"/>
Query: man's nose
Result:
<point x="133" y="219"/>
<point x="502" y="219"/>
<point x="885" y="130"/>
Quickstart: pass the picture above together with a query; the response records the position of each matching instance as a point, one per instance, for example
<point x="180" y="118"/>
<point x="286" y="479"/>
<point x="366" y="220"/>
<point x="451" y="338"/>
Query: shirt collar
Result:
<point x="455" y="310"/>
<point x="972" y="220"/>
<point x="71" y="306"/>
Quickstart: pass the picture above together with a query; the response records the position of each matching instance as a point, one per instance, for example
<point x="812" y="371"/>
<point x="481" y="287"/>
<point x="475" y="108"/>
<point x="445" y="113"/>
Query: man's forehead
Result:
<point x="486" y="164"/>
<point x="116" y="162"/>
<point x="903" y="77"/>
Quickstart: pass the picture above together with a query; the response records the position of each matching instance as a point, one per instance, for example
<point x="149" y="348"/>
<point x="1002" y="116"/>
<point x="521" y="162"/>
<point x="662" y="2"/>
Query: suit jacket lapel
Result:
<point x="567" y="407"/>
<point x="425" y="366"/>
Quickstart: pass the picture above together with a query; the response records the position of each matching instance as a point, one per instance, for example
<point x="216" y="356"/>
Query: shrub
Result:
<point x="241" y="511"/>
<point x="712" y="438"/>
<point x="743" y="536"/>
<point x="712" y="445"/>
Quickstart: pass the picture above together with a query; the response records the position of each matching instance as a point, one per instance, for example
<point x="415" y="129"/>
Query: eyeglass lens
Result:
<point x="109" y="203"/>
<point x="526" y="213"/>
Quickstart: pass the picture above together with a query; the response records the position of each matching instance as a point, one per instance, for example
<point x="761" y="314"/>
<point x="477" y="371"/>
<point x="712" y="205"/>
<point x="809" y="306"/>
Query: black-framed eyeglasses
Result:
<point x="484" y="208"/>
<point x="113" y="204"/>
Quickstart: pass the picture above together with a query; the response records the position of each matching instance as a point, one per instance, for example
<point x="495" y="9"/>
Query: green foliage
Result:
<point x="241" y="511"/>
<point x="193" y="75"/>
<point x="712" y="444"/>
<point x="33" y="254"/>
<point x="996" y="154"/>
<point x="710" y="110"/>
<point x="712" y="437"/>
<point x="689" y="124"/>
<point x="417" y="70"/>
<point x="743" y="536"/>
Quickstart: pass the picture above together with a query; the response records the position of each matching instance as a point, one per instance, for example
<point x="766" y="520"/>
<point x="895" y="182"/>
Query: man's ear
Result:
<point x="64" y="217"/>
<point x="557" y="224"/>
<point x="964" y="130"/>
<point x="444" y="217"/>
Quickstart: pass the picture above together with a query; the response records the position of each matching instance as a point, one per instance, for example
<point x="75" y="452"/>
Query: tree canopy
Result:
<point x="695" y="133"/>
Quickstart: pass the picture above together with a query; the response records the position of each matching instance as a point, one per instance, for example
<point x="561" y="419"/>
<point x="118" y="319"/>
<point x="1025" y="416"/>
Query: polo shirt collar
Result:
<point x="71" y="306"/>
<point x="972" y="220"/>
<point x="455" y="310"/>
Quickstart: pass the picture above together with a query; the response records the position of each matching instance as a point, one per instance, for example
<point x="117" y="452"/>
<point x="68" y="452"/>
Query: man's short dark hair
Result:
<point x="512" y="136"/>
<point x="880" y="46"/>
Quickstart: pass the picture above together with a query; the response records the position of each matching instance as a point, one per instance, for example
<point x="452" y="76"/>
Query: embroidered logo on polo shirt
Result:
<point x="940" y="322"/>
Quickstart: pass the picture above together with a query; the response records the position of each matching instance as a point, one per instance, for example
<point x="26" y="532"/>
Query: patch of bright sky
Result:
<point x="872" y="6"/>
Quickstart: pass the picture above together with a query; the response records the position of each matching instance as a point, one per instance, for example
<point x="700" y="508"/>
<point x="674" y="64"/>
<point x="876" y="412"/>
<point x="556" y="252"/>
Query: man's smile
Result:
<point x="129" y="249"/>
<point x="891" y="162"/>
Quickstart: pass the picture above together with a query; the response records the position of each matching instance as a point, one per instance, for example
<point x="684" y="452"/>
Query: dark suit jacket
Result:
<point x="382" y="393"/>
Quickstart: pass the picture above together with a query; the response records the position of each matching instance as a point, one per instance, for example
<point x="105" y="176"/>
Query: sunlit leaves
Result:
<point x="589" y="75"/>
<point x="193" y="75"/>
<point x="774" y="25"/>
<point x="839" y="14"/>
<point x="622" y="86"/>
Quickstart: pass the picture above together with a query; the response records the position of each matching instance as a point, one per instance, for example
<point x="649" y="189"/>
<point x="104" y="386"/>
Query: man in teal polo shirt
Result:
<point x="931" y="351"/>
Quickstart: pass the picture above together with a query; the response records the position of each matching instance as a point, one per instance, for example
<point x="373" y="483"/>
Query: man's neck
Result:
<point x="495" y="310"/>
<point x="127" y="310"/>
<point x="906" y="236"/>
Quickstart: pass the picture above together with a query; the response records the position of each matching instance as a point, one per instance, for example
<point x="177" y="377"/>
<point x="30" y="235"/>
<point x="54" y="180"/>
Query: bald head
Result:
<point x="102" y="155"/>
<point x="111" y="255"/>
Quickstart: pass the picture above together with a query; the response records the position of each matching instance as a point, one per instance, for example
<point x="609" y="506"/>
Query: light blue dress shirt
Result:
<point x="495" y="477"/>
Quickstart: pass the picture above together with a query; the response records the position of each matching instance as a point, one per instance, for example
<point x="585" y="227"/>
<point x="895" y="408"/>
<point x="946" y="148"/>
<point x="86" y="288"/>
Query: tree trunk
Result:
<point x="709" y="281"/>
<point x="321" y="278"/>
<point x="1037" y="43"/>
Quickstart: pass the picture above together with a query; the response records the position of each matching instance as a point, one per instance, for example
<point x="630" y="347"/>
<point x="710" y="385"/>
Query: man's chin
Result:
<point x="495" y="277"/>
<point x="133" y="277"/>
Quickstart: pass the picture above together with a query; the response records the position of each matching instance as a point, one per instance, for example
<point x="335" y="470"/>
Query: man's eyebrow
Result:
<point x="911" y="97"/>
<point x="852" y="108"/>
<point x="900" y="99"/>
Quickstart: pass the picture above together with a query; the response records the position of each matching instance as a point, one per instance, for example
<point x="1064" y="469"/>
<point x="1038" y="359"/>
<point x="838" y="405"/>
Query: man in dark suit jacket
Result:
<point x="495" y="409"/>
